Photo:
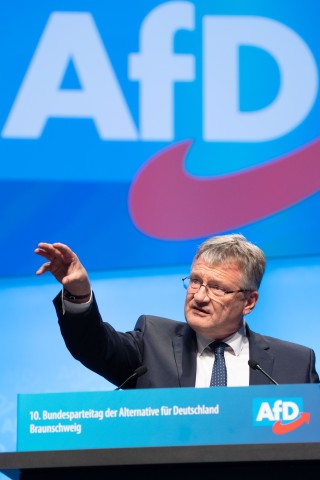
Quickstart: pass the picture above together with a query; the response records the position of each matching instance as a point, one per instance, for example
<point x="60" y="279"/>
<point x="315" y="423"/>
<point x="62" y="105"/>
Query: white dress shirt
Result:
<point x="236" y="358"/>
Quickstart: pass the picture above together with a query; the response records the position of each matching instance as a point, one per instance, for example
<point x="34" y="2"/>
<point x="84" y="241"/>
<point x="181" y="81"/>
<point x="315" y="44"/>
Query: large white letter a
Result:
<point x="70" y="36"/>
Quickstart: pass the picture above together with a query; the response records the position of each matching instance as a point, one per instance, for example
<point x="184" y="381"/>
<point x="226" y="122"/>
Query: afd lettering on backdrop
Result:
<point x="74" y="35"/>
<point x="213" y="105"/>
<point x="283" y="415"/>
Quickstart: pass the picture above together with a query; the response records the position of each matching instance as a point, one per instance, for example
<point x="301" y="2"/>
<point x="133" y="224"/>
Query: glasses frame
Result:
<point x="207" y="287"/>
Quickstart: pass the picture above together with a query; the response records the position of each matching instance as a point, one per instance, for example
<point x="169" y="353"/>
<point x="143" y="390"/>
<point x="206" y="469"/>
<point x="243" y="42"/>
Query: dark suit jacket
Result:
<point x="168" y="349"/>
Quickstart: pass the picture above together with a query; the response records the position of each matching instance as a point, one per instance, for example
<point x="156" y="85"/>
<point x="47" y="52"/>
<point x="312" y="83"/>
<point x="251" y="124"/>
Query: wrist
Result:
<point x="74" y="298"/>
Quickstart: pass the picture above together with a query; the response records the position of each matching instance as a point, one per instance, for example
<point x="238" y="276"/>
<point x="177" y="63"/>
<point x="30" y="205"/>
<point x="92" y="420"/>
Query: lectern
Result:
<point x="165" y="433"/>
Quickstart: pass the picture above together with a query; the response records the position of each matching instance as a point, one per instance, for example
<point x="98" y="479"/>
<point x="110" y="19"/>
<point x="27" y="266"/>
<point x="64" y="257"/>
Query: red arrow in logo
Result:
<point x="280" y="428"/>
<point x="166" y="202"/>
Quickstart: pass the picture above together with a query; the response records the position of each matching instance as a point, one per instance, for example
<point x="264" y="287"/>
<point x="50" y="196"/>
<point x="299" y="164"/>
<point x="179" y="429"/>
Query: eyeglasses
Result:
<point x="194" y="285"/>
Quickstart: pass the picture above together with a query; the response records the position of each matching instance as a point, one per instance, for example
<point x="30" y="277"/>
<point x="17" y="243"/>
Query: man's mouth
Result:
<point x="200" y="310"/>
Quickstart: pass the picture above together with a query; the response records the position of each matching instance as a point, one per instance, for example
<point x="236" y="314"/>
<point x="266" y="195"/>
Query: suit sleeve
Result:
<point x="97" y="345"/>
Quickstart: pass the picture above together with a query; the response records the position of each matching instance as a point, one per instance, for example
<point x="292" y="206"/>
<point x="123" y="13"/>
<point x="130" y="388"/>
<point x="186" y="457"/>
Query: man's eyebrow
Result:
<point x="211" y="281"/>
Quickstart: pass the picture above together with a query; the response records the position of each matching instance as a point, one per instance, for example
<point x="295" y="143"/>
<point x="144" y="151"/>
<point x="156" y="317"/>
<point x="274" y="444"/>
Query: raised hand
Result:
<point x="65" y="266"/>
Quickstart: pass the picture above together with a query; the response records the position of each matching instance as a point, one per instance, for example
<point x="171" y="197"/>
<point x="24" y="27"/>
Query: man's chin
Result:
<point x="198" y="321"/>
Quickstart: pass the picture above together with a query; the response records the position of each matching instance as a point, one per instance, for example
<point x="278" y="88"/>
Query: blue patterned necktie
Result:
<point x="219" y="371"/>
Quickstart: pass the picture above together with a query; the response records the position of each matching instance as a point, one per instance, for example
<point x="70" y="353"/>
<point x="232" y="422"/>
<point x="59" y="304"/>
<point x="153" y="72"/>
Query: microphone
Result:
<point x="255" y="366"/>
<point x="137" y="373"/>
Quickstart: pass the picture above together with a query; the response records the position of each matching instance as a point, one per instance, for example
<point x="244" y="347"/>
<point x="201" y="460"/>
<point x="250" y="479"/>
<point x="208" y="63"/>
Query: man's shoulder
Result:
<point x="275" y="342"/>
<point x="158" y="322"/>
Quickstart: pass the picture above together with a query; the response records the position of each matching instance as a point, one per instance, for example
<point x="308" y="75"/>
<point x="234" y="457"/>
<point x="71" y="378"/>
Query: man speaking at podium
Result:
<point x="214" y="347"/>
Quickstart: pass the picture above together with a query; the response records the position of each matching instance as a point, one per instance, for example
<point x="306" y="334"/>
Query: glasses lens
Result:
<point x="215" y="291"/>
<point x="193" y="285"/>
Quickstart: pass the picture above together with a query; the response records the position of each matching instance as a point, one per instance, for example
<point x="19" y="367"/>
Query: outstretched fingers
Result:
<point x="56" y="251"/>
<point x="67" y="254"/>
<point x="61" y="259"/>
<point x="64" y="265"/>
<point x="44" y="268"/>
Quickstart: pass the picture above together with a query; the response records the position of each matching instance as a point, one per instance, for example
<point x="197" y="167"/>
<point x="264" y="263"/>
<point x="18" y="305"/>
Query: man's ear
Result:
<point x="251" y="301"/>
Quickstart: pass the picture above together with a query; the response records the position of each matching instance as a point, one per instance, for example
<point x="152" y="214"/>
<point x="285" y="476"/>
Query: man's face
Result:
<point x="212" y="316"/>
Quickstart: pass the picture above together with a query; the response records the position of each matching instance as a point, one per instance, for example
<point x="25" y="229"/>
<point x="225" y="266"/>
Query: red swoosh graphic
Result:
<point x="281" y="428"/>
<point x="167" y="203"/>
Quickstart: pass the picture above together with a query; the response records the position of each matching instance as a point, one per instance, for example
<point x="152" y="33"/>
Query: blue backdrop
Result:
<point x="132" y="132"/>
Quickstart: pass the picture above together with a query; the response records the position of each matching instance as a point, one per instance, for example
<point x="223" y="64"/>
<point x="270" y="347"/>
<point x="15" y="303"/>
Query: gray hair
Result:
<point x="226" y="249"/>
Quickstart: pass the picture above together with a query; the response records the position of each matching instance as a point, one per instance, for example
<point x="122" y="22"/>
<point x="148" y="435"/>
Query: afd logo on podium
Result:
<point x="283" y="415"/>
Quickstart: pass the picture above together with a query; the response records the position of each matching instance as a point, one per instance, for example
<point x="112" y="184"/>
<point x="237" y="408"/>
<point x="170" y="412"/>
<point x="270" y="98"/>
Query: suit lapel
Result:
<point x="185" y="353"/>
<point x="259" y="351"/>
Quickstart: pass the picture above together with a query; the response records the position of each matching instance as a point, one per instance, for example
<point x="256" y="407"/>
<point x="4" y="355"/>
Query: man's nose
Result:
<point x="202" y="292"/>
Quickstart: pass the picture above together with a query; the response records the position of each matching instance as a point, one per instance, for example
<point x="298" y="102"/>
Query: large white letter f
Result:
<point x="156" y="67"/>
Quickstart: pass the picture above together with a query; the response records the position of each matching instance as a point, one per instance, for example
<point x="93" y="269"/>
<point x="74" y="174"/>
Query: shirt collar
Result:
<point x="234" y="341"/>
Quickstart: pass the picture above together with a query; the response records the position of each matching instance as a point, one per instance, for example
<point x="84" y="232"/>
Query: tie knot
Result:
<point x="218" y="347"/>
